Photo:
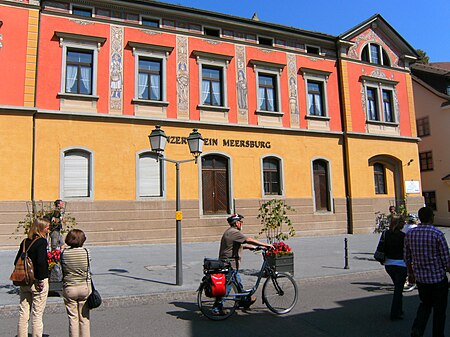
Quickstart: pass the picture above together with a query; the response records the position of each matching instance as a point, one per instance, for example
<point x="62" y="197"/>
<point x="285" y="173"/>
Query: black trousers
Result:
<point x="398" y="276"/>
<point x="432" y="297"/>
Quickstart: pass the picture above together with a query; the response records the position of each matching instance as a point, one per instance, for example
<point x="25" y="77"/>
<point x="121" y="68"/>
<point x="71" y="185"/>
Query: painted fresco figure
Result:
<point x="116" y="76"/>
<point x="242" y="90"/>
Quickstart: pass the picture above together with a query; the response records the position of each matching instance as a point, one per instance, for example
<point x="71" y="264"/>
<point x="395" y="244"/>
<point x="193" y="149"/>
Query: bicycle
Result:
<point x="279" y="292"/>
<point x="381" y="222"/>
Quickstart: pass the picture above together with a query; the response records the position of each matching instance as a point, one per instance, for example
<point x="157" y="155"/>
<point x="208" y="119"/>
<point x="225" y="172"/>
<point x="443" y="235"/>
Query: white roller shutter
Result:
<point x="76" y="174"/>
<point x="149" y="176"/>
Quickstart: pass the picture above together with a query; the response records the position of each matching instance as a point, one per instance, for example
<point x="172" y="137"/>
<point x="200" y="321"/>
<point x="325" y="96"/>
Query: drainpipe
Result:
<point x="345" y="154"/>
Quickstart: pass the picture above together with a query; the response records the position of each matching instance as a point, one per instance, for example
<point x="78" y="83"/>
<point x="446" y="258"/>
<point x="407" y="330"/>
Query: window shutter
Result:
<point x="149" y="176"/>
<point x="76" y="175"/>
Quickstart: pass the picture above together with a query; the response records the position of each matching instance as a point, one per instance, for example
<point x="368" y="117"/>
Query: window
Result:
<point x="380" y="178"/>
<point x="388" y="106"/>
<point x="82" y="11"/>
<point x="374" y="53"/>
<point x="150" y="79"/>
<point x="322" y="197"/>
<point x="426" y="161"/>
<point x="211" y="32"/>
<point x="212" y="86"/>
<point x="267" y="92"/>
<point x="79" y="69"/>
<point x="149" y="22"/>
<point x="315" y="98"/>
<point x="76" y="174"/>
<point x="149" y="175"/>
<point x="215" y="185"/>
<point x="150" y="74"/>
<point x="313" y="50"/>
<point x="423" y="127"/>
<point x="212" y="70"/>
<point x="447" y="91"/>
<point x="79" y="65"/>
<point x="430" y="199"/>
<point x="265" y="41"/>
<point x="271" y="176"/>
<point x="372" y="106"/>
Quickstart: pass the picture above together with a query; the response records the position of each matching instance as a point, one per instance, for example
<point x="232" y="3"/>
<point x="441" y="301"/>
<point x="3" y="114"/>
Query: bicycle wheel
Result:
<point x="280" y="293"/>
<point x="206" y="304"/>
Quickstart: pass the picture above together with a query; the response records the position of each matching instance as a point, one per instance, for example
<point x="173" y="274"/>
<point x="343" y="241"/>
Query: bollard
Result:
<point x="346" y="253"/>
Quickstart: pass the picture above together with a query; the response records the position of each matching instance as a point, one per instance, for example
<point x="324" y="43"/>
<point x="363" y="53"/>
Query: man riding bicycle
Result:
<point x="231" y="245"/>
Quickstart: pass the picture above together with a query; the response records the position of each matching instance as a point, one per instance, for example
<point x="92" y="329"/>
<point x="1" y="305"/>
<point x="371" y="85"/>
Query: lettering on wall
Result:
<point x="257" y="144"/>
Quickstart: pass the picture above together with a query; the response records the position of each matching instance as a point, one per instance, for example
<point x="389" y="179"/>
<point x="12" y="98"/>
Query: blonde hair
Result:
<point x="38" y="228"/>
<point x="397" y="223"/>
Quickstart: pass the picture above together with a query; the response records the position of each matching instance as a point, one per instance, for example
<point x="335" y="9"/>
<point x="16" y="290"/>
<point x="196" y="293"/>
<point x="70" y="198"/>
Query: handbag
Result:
<point x="23" y="273"/>
<point x="379" y="254"/>
<point x="94" y="300"/>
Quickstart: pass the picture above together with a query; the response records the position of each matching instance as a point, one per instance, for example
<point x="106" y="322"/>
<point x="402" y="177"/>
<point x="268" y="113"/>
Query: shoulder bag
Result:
<point x="94" y="300"/>
<point x="23" y="273"/>
<point x="379" y="254"/>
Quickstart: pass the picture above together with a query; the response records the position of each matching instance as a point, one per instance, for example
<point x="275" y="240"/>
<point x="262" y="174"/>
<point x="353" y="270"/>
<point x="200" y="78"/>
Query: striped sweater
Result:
<point x="74" y="263"/>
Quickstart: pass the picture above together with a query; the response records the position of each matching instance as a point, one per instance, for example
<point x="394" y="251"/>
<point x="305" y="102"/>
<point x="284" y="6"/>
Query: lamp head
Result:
<point x="158" y="140"/>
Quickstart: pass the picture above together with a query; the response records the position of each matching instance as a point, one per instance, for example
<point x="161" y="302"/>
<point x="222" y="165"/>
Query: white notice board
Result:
<point x="412" y="186"/>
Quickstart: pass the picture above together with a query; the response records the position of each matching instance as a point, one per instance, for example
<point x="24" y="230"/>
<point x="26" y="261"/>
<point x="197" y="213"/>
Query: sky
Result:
<point x="424" y="24"/>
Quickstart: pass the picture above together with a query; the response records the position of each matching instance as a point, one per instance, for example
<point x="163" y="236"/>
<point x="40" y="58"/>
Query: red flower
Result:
<point x="280" y="248"/>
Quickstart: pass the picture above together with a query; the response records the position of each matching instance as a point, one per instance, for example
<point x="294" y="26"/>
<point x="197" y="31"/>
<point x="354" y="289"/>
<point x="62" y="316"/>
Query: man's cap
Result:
<point x="234" y="217"/>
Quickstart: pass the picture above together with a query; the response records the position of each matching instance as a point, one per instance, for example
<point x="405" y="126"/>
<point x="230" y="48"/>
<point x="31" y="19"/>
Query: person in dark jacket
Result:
<point x="34" y="298"/>
<point x="395" y="265"/>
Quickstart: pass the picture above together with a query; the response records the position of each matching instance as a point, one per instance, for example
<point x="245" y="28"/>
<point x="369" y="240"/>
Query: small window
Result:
<point x="149" y="22"/>
<point x="212" y="86"/>
<point x="265" y="41"/>
<point x="315" y="98"/>
<point x="267" y="92"/>
<point x="430" y="199"/>
<point x="426" y="161"/>
<point x="423" y="127"/>
<point x="150" y="79"/>
<point x="388" y="106"/>
<point x="372" y="104"/>
<point x="271" y="176"/>
<point x="376" y="54"/>
<point x="82" y="11"/>
<point x="76" y="174"/>
<point x="211" y="32"/>
<point x="313" y="50"/>
<point x="79" y="70"/>
<point x="380" y="178"/>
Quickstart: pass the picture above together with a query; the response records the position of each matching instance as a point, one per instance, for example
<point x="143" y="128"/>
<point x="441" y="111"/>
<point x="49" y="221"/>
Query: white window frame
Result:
<point x="90" y="155"/>
<point x="89" y="8"/>
<point x="155" y="52"/>
<point x="69" y="41"/>
<point x="271" y="69"/>
<point x="380" y="54"/>
<point x="330" y="186"/>
<point x="162" y="181"/>
<point x="381" y="85"/>
<point x="281" y="174"/>
<point x="217" y="61"/>
<point x="314" y="75"/>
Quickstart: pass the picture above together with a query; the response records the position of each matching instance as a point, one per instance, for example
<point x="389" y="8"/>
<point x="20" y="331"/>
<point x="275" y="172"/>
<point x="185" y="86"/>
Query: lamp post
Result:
<point x="158" y="141"/>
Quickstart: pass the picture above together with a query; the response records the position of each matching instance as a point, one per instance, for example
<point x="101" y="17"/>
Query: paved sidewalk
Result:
<point x="127" y="273"/>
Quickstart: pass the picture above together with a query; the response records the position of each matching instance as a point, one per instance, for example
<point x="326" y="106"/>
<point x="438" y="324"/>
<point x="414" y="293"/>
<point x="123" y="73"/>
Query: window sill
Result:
<point x="80" y="97"/>
<point x="393" y="124"/>
<point x="149" y="102"/>
<point x="213" y="108"/>
<point x="270" y="113"/>
<point x="320" y="118"/>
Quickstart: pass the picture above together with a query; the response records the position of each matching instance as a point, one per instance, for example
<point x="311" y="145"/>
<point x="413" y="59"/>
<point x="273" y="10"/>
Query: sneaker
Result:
<point x="246" y="303"/>
<point x="218" y="312"/>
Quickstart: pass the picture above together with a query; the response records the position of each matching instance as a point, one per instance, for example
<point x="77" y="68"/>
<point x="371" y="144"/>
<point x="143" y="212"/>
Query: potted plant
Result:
<point x="273" y="215"/>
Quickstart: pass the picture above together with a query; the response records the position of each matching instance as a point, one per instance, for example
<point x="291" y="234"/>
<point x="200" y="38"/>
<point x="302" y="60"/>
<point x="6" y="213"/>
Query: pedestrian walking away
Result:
<point x="33" y="298"/>
<point x="428" y="259"/>
<point x="394" y="264"/>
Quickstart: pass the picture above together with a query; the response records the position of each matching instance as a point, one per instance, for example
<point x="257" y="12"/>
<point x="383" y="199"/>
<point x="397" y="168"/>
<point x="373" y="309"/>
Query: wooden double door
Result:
<point x="215" y="184"/>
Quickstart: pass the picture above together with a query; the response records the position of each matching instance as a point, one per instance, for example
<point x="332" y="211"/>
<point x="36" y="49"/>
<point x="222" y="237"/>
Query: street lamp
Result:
<point x="158" y="141"/>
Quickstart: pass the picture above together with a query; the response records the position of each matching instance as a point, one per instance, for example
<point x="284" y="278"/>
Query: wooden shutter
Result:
<point x="76" y="174"/>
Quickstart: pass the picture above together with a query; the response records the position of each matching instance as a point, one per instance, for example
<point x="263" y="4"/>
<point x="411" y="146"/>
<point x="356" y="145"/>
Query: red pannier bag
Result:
<point x="218" y="285"/>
